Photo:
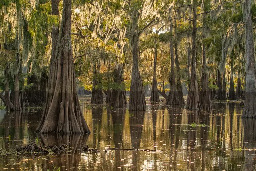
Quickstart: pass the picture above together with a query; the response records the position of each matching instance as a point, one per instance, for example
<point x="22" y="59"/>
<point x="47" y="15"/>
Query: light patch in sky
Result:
<point x="77" y="11"/>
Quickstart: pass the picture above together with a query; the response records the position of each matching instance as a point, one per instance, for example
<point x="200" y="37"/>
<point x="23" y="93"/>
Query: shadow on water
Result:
<point x="160" y="138"/>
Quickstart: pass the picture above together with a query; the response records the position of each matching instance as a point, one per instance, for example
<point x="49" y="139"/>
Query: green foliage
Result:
<point x="253" y="11"/>
<point x="238" y="17"/>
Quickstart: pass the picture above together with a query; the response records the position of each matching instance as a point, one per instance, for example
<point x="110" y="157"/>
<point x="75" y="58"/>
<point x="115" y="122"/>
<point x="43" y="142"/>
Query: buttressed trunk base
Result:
<point x="62" y="113"/>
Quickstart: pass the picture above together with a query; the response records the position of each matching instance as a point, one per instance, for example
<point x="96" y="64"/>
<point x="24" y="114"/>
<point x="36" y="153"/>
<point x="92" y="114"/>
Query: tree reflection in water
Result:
<point x="159" y="139"/>
<point x="67" y="149"/>
<point x="249" y="144"/>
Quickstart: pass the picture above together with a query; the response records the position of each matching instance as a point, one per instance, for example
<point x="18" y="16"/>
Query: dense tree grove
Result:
<point x="180" y="53"/>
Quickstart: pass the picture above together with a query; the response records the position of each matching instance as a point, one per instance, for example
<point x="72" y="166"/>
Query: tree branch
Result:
<point x="148" y="25"/>
<point x="163" y="94"/>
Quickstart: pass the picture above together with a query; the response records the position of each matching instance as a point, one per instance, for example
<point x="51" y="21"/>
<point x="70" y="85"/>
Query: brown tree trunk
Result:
<point x="193" y="98"/>
<point x="250" y="105"/>
<point x="6" y="97"/>
<point x="173" y="96"/>
<point x="154" y="93"/>
<point x="231" y="93"/>
<point x="204" y="98"/>
<point x="239" y="88"/>
<point x="221" y="83"/>
<point x="177" y="63"/>
<point x="188" y="60"/>
<point x="62" y="113"/>
<point x="16" y="99"/>
<point x="137" y="95"/>
<point x="205" y="102"/>
<point x="97" y="93"/>
<point x="118" y="94"/>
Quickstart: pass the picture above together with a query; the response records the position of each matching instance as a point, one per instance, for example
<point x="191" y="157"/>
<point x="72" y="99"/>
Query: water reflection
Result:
<point x="249" y="144"/>
<point x="67" y="151"/>
<point x="159" y="139"/>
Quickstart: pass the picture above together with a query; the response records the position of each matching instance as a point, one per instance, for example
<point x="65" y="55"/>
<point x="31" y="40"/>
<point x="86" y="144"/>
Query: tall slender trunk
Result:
<point x="172" y="97"/>
<point x="154" y="93"/>
<point x="188" y="59"/>
<point x="205" y="102"/>
<point x="16" y="100"/>
<point x="137" y="95"/>
<point x="232" y="95"/>
<point x="193" y="98"/>
<point x="177" y="63"/>
<point x="6" y="99"/>
<point x="63" y="113"/>
<point x="97" y="93"/>
<point x="239" y="87"/>
<point x="204" y="97"/>
<point x="250" y="104"/>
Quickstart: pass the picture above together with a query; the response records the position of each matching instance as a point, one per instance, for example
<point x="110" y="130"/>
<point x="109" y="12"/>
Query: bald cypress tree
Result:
<point x="62" y="113"/>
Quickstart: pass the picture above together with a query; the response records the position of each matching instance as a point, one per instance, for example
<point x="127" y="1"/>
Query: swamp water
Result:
<point x="158" y="139"/>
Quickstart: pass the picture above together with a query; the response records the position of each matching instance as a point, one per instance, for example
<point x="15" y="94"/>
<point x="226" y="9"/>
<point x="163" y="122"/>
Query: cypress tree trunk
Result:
<point x="224" y="88"/>
<point x="62" y="113"/>
<point x="118" y="94"/>
<point x="193" y="98"/>
<point x="17" y="74"/>
<point x="250" y="105"/>
<point x="239" y="87"/>
<point x="6" y="98"/>
<point x="205" y="102"/>
<point x="173" y="96"/>
<point x="177" y="63"/>
<point x="231" y="93"/>
<point x="137" y="95"/>
<point x="154" y="93"/>
<point x="188" y="60"/>
<point x="97" y="93"/>
<point x="221" y="82"/>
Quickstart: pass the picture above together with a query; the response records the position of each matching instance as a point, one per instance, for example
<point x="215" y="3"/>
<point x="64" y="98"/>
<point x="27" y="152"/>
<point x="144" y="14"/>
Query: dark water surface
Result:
<point x="158" y="139"/>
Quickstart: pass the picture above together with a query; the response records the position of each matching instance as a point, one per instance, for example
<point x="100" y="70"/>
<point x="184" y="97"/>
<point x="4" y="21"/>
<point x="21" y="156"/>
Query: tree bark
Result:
<point x="205" y="102"/>
<point x="154" y="93"/>
<point x="137" y="95"/>
<point x="62" y="113"/>
<point x="97" y="93"/>
<point x="17" y="100"/>
<point x="6" y="97"/>
<point x="232" y="95"/>
<point x="118" y="94"/>
<point x="221" y="82"/>
<point x="250" y="105"/>
<point x="173" y="95"/>
<point x="193" y="98"/>
<point x="239" y="88"/>
<point x="177" y="63"/>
